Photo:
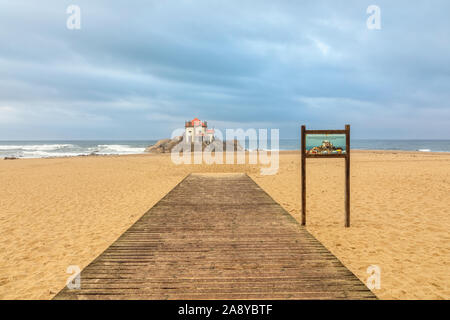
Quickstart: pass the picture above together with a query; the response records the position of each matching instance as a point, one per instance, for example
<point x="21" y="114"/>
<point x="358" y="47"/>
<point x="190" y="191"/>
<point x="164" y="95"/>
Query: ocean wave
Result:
<point x="66" y="150"/>
<point x="45" y="154"/>
<point x="36" y="147"/>
<point x="424" y="150"/>
<point x="118" y="149"/>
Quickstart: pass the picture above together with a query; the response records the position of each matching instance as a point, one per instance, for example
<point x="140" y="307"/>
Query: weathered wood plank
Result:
<point x="217" y="237"/>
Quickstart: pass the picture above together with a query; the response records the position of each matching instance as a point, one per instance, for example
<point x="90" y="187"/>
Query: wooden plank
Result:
<point x="217" y="237"/>
<point x="325" y="131"/>
<point x="325" y="155"/>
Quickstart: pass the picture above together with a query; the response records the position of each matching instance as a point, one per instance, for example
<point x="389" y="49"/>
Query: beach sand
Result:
<point x="60" y="212"/>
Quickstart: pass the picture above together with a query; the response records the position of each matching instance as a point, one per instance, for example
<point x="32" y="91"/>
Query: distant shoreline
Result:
<point x="358" y="151"/>
<point x="66" y="148"/>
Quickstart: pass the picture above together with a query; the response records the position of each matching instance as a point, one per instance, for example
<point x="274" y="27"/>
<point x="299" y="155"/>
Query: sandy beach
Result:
<point x="66" y="211"/>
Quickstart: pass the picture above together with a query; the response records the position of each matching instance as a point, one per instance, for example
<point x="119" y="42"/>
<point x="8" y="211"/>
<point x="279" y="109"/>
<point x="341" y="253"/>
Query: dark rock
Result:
<point x="235" y="143"/>
<point x="164" y="145"/>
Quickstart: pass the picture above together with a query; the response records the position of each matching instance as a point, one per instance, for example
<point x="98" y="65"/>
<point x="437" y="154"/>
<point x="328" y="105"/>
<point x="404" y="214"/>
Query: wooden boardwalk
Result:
<point x="217" y="237"/>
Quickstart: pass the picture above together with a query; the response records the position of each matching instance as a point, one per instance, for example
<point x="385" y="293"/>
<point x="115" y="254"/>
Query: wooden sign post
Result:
<point x="326" y="144"/>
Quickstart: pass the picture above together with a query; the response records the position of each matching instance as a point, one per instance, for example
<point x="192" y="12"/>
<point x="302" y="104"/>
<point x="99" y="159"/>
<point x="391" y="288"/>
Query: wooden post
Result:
<point x="347" y="176"/>
<point x="303" y="151"/>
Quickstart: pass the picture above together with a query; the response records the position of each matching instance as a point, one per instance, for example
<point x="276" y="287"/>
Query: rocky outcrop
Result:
<point x="235" y="145"/>
<point x="164" y="145"/>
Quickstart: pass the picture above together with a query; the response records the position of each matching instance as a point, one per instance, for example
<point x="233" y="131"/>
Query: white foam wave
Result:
<point x="118" y="149"/>
<point x="66" y="150"/>
<point x="45" y="154"/>
<point x="424" y="150"/>
<point x="36" y="147"/>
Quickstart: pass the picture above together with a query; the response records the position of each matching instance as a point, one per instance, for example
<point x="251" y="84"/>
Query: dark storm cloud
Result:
<point x="137" y="69"/>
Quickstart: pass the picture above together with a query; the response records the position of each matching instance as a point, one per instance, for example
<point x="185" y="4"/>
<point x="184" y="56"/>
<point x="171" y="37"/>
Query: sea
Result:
<point x="46" y="149"/>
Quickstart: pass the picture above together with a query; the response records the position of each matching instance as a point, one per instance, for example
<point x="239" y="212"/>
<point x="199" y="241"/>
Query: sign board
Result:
<point x="326" y="144"/>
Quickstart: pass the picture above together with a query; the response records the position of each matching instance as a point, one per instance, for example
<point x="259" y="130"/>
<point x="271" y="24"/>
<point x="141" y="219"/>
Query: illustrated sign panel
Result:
<point x="323" y="144"/>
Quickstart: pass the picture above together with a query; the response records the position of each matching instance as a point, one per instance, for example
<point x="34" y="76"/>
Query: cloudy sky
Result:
<point x="138" y="69"/>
